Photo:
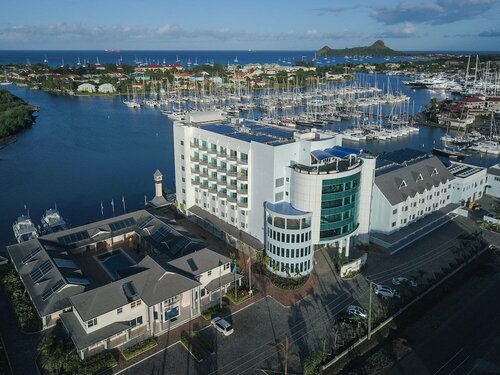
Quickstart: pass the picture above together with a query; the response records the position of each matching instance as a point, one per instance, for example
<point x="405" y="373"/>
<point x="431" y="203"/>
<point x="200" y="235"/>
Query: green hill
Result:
<point x="376" y="49"/>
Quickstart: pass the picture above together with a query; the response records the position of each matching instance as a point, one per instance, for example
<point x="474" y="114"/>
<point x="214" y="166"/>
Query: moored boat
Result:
<point x="24" y="229"/>
<point x="52" y="221"/>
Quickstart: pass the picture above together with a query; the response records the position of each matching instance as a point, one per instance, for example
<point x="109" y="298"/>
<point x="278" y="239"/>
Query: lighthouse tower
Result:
<point x="159" y="200"/>
<point x="158" y="183"/>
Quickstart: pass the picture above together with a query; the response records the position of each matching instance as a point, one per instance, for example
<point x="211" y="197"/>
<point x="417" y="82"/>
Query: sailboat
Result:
<point x="236" y="59"/>
<point x="45" y="61"/>
<point x="5" y="82"/>
<point x="195" y="61"/>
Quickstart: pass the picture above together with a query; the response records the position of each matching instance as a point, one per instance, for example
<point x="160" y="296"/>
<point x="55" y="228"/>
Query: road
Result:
<point x="466" y="342"/>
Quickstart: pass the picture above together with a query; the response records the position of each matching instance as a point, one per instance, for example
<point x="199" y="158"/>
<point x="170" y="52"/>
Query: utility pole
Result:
<point x="370" y="312"/>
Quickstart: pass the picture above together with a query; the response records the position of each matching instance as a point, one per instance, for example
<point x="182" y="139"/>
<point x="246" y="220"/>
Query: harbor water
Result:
<point x="86" y="150"/>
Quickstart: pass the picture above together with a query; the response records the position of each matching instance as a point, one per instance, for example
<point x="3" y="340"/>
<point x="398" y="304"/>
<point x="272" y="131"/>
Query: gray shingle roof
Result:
<point x="200" y="261"/>
<point x="152" y="282"/>
<point x="392" y="186"/>
<point x="58" y="300"/>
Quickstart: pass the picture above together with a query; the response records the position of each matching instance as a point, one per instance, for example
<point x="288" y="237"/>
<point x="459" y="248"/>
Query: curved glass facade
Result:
<point x="339" y="207"/>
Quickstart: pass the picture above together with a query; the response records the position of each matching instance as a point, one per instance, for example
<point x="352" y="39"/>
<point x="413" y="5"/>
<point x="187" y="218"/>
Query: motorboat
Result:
<point x="24" y="229"/>
<point x="52" y="221"/>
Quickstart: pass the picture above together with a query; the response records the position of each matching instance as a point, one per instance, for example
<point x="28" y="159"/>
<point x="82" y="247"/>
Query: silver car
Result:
<point x="353" y="310"/>
<point x="385" y="291"/>
<point x="222" y="326"/>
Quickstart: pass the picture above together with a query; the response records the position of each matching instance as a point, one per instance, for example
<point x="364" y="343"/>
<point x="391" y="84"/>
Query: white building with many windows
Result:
<point x="290" y="191"/>
<point x="493" y="181"/>
<point x="409" y="185"/>
<point x="469" y="183"/>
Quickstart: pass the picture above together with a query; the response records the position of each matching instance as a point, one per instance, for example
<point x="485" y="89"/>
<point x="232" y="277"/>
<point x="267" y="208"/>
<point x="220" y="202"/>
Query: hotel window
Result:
<point x="92" y="322"/>
<point x="393" y="224"/>
<point x="119" y="310"/>
<point x="395" y="211"/>
<point x="135" y="322"/>
<point x="182" y="156"/>
<point x="226" y="266"/>
<point x="136" y="303"/>
<point x="297" y="254"/>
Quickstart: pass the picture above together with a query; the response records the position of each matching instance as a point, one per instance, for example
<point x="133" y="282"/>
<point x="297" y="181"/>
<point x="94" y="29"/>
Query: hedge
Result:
<point x="26" y="314"/>
<point x="138" y="348"/>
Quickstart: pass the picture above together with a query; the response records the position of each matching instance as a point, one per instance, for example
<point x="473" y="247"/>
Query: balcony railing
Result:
<point x="242" y="177"/>
<point x="203" y="162"/>
<point x="221" y="169"/>
<point x="243" y="204"/>
<point x="232" y="157"/>
<point x="232" y="173"/>
<point x="194" y="145"/>
<point x="243" y="191"/>
<point x="195" y="171"/>
<point x="232" y="199"/>
<point x="222" y="194"/>
<point x="212" y="151"/>
<point x="232" y="187"/>
<point x="203" y="147"/>
<point x="243" y="161"/>
<point x="195" y="158"/>
<point x="195" y="182"/>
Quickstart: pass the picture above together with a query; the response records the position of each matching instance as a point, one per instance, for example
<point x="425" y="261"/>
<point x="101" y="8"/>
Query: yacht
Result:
<point x="24" y="229"/>
<point x="52" y="221"/>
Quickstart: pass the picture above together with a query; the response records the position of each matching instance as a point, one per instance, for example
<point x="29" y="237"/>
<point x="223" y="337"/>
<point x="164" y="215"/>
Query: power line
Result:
<point x="322" y="315"/>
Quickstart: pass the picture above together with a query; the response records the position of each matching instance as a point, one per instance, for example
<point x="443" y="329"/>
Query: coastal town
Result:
<point x="329" y="210"/>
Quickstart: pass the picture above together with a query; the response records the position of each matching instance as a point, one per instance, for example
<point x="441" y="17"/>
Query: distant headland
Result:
<point x="376" y="49"/>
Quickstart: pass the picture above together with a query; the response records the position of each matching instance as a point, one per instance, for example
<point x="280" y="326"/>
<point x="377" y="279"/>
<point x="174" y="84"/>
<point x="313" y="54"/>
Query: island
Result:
<point x="376" y="49"/>
<point x="15" y="115"/>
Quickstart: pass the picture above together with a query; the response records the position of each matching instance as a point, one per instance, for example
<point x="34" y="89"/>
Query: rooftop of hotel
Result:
<point x="285" y="208"/>
<point x="394" y="160"/>
<point x="249" y="131"/>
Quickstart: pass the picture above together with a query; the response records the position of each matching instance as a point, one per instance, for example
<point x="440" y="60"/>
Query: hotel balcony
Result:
<point x="195" y="158"/>
<point x="232" y="157"/>
<point x="242" y="177"/>
<point x="212" y="178"/>
<point x="203" y="162"/>
<point x="232" y="187"/>
<point x="194" y="145"/>
<point x="243" y="161"/>
<point x="222" y="183"/>
<point x="212" y="151"/>
<point x="243" y="204"/>
<point x="221" y="154"/>
<point x="222" y="194"/>
<point x="221" y="169"/>
<point x="195" y="182"/>
<point x="195" y="171"/>
<point x="232" y="199"/>
<point x="213" y="189"/>
<point x="203" y="174"/>
<point x="243" y="191"/>
<point x="204" y="148"/>
<point x="232" y="173"/>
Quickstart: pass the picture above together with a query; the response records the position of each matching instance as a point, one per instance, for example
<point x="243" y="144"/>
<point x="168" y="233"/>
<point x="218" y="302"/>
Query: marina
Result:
<point x="111" y="145"/>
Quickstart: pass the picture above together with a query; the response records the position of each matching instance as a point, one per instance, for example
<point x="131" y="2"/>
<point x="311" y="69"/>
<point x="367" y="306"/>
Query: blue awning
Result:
<point x="338" y="152"/>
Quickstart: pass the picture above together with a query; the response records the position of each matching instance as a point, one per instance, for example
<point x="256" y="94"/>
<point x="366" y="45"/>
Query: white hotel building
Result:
<point x="289" y="191"/>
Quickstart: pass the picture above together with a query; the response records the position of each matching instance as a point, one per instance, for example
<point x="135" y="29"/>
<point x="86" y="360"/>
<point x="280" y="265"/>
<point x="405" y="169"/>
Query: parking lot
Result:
<point x="262" y="329"/>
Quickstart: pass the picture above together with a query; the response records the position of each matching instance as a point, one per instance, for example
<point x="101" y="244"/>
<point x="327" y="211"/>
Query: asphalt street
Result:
<point x="468" y="341"/>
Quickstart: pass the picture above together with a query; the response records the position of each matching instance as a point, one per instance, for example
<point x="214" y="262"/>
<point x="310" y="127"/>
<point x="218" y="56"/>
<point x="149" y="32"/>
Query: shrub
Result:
<point x="313" y="362"/>
<point x="210" y="312"/>
<point x="57" y="355"/>
<point x="286" y="283"/>
<point x="138" y="348"/>
<point x="26" y="314"/>
<point x="243" y="295"/>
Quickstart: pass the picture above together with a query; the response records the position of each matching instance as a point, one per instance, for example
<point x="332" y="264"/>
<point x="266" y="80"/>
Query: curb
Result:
<point x="403" y="309"/>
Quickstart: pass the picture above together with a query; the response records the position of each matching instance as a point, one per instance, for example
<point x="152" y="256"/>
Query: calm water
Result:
<point x="80" y="152"/>
<point x="57" y="58"/>
<point x="86" y="150"/>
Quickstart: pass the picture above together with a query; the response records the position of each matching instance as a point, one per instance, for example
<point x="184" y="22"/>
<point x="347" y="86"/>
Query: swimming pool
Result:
<point x="115" y="261"/>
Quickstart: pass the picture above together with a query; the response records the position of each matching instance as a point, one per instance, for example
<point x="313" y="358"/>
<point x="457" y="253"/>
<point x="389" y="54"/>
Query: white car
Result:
<point x="222" y="326"/>
<point x="404" y="281"/>
<point x="385" y="291"/>
<point x="353" y="310"/>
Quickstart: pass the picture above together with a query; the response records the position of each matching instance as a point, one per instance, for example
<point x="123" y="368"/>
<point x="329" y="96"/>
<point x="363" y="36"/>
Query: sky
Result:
<point x="463" y="25"/>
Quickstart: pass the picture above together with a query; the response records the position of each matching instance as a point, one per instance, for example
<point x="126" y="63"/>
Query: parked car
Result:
<point x="222" y="326"/>
<point x="353" y="310"/>
<point x="385" y="291"/>
<point x="404" y="281"/>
